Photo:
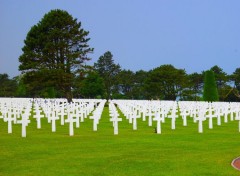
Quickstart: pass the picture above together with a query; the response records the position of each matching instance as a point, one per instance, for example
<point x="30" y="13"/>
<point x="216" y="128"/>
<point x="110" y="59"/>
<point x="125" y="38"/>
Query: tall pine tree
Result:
<point x="55" y="49"/>
<point x="108" y="70"/>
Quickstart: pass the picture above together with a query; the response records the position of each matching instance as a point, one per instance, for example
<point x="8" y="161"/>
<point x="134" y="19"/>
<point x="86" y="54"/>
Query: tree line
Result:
<point x="53" y="64"/>
<point x="108" y="80"/>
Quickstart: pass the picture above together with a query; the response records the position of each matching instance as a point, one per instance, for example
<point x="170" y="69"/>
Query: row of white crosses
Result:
<point x="130" y="110"/>
<point x="202" y="111"/>
<point x="58" y="109"/>
<point x="160" y="110"/>
<point x="154" y="110"/>
<point x="113" y="112"/>
<point x="97" y="113"/>
<point x="18" y="111"/>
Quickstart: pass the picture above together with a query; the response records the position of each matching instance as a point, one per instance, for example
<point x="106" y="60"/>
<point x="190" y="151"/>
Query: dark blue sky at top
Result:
<point x="141" y="34"/>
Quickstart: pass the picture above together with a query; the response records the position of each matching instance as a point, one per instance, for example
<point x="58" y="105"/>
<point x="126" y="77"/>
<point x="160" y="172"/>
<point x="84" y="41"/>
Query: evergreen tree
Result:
<point x="55" y="49"/>
<point x="210" y="92"/>
<point x="108" y="70"/>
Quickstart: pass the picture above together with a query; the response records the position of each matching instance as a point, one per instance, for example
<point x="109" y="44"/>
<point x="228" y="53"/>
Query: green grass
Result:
<point x="182" y="151"/>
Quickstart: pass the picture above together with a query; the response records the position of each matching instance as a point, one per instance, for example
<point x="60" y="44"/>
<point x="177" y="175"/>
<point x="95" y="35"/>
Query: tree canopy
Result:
<point x="165" y="82"/>
<point x="55" y="50"/>
<point x="7" y="86"/>
<point x="92" y="86"/>
<point x="108" y="70"/>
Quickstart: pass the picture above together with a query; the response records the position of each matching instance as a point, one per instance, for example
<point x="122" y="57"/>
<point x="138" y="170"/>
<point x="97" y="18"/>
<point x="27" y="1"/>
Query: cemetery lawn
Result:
<point x="179" y="152"/>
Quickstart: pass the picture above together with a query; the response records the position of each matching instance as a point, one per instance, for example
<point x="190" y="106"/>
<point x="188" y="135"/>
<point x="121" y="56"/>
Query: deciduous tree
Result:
<point x="194" y="87"/>
<point x="221" y="80"/>
<point x="165" y="82"/>
<point x="125" y="79"/>
<point x="92" y="86"/>
<point x="7" y="86"/>
<point x="138" y="88"/>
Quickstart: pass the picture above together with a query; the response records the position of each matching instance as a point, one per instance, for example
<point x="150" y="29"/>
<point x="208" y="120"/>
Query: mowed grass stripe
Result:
<point x="182" y="151"/>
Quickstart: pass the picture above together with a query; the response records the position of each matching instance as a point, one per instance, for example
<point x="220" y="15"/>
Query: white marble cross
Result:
<point x="62" y="114"/>
<point x="9" y="119"/>
<point x="144" y="113"/>
<point x="150" y="114"/>
<point x="25" y="121"/>
<point x="53" y="119"/>
<point x="134" y="119"/>
<point x="201" y="118"/>
<point x="70" y="120"/>
<point x="114" y="117"/>
<point x="95" y="118"/>
<point x="115" y="121"/>
<point x="184" y="115"/>
<point x="226" y="111"/>
<point x="210" y="115"/>
<point x="77" y="116"/>
<point x="83" y="113"/>
<point x="173" y="116"/>
<point x="218" y="114"/>
<point x="38" y="117"/>
<point x="158" y="117"/>
<point x="237" y="117"/>
<point x="97" y="114"/>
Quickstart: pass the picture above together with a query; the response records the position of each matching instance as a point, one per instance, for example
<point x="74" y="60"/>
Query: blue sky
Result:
<point x="141" y="34"/>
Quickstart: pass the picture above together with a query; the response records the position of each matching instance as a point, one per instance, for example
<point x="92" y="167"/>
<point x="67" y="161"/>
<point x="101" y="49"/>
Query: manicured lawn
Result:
<point x="182" y="151"/>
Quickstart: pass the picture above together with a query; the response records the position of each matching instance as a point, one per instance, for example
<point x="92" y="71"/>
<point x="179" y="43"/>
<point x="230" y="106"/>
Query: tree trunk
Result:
<point x="69" y="96"/>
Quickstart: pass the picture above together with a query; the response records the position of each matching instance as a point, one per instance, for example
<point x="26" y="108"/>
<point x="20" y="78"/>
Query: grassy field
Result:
<point x="182" y="151"/>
